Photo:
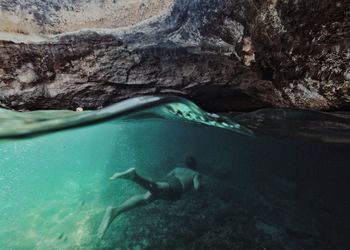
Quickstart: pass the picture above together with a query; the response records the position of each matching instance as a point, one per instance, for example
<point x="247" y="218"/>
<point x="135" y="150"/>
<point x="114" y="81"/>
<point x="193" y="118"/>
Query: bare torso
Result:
<point x="185" y="175"/>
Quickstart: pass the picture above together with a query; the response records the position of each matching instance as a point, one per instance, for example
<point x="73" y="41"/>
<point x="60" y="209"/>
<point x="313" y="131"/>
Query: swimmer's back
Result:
<point x="185" y="175"/>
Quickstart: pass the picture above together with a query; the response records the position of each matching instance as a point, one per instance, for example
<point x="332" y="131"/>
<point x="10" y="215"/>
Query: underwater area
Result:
<point x="272" y="179"/>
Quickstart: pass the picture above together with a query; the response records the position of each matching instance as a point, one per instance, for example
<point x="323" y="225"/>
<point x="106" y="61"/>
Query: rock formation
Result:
<point x="222" y="54"/>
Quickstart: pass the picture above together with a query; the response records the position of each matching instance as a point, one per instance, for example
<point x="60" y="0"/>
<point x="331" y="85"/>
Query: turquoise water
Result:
<point x="261" y="190"/>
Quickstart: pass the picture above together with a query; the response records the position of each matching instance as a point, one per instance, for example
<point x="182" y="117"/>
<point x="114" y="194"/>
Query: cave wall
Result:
<point x="222" y="54"/>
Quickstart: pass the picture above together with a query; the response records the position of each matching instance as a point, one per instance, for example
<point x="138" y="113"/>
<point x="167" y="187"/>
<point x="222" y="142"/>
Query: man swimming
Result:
<point x="170" y="188"/>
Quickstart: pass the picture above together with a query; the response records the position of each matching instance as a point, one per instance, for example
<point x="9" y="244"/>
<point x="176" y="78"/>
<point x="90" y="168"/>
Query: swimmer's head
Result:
<point x="80" y="109"/>
<point x="191" y="162"/>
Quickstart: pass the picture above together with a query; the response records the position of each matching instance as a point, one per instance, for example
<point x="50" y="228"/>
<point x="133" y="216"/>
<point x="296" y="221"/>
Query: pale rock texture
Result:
<point x="222" y="54"/>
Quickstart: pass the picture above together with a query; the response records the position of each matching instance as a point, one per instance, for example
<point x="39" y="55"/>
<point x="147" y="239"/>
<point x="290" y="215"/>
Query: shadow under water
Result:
<point x="261" y="189"/>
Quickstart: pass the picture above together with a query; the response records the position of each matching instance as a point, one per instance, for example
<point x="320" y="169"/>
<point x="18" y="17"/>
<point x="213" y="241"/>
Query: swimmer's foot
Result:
<point x="107" y="220"/>
<point x="128" y="174"/>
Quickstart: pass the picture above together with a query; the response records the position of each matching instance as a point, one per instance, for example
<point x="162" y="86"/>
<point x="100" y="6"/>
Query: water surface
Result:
<point x="265" y="186"/>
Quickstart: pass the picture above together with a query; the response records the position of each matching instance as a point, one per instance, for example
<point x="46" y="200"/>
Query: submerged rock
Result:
<point x="222" y="54"/>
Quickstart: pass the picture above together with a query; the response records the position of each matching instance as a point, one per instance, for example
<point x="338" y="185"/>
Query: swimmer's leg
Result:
<point x="113" y="212"/>
<point x="131" y="175"/>
<point x="128" y="174"/>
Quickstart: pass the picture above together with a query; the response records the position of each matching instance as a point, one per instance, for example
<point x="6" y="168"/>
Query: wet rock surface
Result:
<point x="223" y="54"/>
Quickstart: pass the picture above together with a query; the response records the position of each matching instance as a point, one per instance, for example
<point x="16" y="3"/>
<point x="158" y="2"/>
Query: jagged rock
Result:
<point x="222" y="54"/>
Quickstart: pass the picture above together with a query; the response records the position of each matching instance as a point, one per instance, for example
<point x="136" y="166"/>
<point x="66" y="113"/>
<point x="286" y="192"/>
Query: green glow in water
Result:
<point x="55" y="187"/>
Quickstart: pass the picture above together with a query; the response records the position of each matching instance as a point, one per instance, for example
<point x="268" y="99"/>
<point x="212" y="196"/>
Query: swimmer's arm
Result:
<point x="197" y="182"/>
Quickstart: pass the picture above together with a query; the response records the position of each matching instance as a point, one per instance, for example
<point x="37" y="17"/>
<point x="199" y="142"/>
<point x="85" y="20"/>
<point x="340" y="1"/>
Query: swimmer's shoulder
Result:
<point x="184" y="170"/>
